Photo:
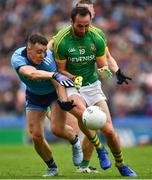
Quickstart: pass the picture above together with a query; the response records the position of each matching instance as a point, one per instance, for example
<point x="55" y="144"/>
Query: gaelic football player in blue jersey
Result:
<point x="45" y="88"/>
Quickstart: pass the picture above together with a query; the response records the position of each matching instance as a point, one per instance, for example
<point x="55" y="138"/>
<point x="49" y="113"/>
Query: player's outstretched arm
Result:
<point x="33" y="73"/>
<point x="121" y="77"/>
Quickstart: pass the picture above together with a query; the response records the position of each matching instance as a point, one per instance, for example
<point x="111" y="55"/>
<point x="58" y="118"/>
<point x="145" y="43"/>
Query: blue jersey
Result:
<point x="39" y="87"/>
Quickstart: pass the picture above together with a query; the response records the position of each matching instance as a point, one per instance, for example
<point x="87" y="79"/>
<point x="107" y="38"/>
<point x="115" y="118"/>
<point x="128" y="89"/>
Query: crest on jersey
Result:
<point x="92" y="47"/>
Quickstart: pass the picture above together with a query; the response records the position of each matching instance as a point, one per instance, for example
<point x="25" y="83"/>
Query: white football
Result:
<point x="94" y="118"/>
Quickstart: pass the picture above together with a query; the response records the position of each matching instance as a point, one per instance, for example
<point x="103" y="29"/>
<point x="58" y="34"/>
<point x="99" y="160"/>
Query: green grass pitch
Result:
<point x="22" y="162"/>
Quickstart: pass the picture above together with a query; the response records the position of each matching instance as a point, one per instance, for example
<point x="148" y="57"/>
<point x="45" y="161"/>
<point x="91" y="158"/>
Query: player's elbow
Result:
<point x="33" y="76"/>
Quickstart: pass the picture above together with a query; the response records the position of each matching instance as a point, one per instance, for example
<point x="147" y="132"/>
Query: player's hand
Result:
<point x="78" y="82"/>
<point x="105" y="72"/>
<point x="121" y="77"/>
<point x="66" y="105"/>
<point x="63" y="80"/>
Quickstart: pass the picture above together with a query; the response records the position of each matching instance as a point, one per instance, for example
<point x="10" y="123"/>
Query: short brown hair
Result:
<point x="37" y="38"/>
<point x="83" y="11"/>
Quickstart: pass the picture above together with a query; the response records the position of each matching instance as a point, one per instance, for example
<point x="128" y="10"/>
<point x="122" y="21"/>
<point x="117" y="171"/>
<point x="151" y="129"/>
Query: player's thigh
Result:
<point x="57" y="116"/>
<point x="80" y="107"/>
<point x="104" y="106"/>
<point x="108" y="128"/>
<point x="35" y="121"/>
<point x="73" y="122"/>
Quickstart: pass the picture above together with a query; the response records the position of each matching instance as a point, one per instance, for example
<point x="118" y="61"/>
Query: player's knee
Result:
<point x="37" y="137"/>
<point x="79" y="114"/>
<point x="57" y="131"/>
<point x="108" y="131"/>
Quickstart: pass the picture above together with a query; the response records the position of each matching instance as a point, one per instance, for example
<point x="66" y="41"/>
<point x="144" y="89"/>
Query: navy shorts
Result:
<point x="40" y="102"/>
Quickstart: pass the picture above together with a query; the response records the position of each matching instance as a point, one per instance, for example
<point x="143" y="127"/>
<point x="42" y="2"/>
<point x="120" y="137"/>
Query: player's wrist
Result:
<point x="105" y="67"/>
<point x="54" y="74"/>
<point x="72" y="78"/>
<point x="118" y="72"/>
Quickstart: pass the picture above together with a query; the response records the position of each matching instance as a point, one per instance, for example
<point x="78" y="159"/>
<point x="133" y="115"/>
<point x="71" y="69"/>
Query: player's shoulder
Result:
<point x="19" y="55"/>
<point x="48" y="52"/>
<point x="98" y="33"/>
<point x="96" y="30"/>
<point x="61" y="35"/>
<point x="63" y="30"/>
<point x="19" y="51"/>
<point x="49" y="56"/>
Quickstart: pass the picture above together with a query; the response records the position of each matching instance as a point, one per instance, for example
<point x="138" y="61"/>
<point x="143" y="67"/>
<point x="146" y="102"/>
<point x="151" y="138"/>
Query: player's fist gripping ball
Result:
<point x="94" y="118"/>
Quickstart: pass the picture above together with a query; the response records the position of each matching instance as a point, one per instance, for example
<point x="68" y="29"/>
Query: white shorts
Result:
<point x="91" y="93"/>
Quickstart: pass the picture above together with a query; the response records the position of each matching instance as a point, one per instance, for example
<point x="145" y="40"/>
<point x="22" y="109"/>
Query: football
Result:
<point x="94" y="118"/>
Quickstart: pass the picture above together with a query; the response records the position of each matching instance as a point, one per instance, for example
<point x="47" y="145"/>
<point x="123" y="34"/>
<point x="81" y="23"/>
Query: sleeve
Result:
<point x="100" y="46"/>
<point x="101" y="33"/>
<point x="17" y="61"/>
<point x="59" y="50"/>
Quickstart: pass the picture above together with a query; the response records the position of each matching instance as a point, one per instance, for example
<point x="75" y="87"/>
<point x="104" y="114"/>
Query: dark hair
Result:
<point x="37" y="38"/>
<point x="84" y="2"/>
<point x="83" y="11"/>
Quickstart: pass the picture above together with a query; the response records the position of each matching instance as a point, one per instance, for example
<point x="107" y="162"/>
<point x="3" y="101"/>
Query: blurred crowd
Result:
<point x="128" y="28"/>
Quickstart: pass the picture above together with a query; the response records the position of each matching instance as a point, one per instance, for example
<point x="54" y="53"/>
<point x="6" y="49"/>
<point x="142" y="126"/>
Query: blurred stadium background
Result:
<point x="128" y="27"/>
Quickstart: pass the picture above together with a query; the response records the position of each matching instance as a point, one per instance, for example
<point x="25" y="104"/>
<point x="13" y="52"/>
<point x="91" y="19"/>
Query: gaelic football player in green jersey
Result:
<point x="76" y="50"/>
<point x="113" y="66"/>
<point x="71" y="120"/>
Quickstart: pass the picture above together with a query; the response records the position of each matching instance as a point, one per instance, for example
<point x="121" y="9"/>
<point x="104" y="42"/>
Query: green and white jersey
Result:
<point x="80" y="53"/>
